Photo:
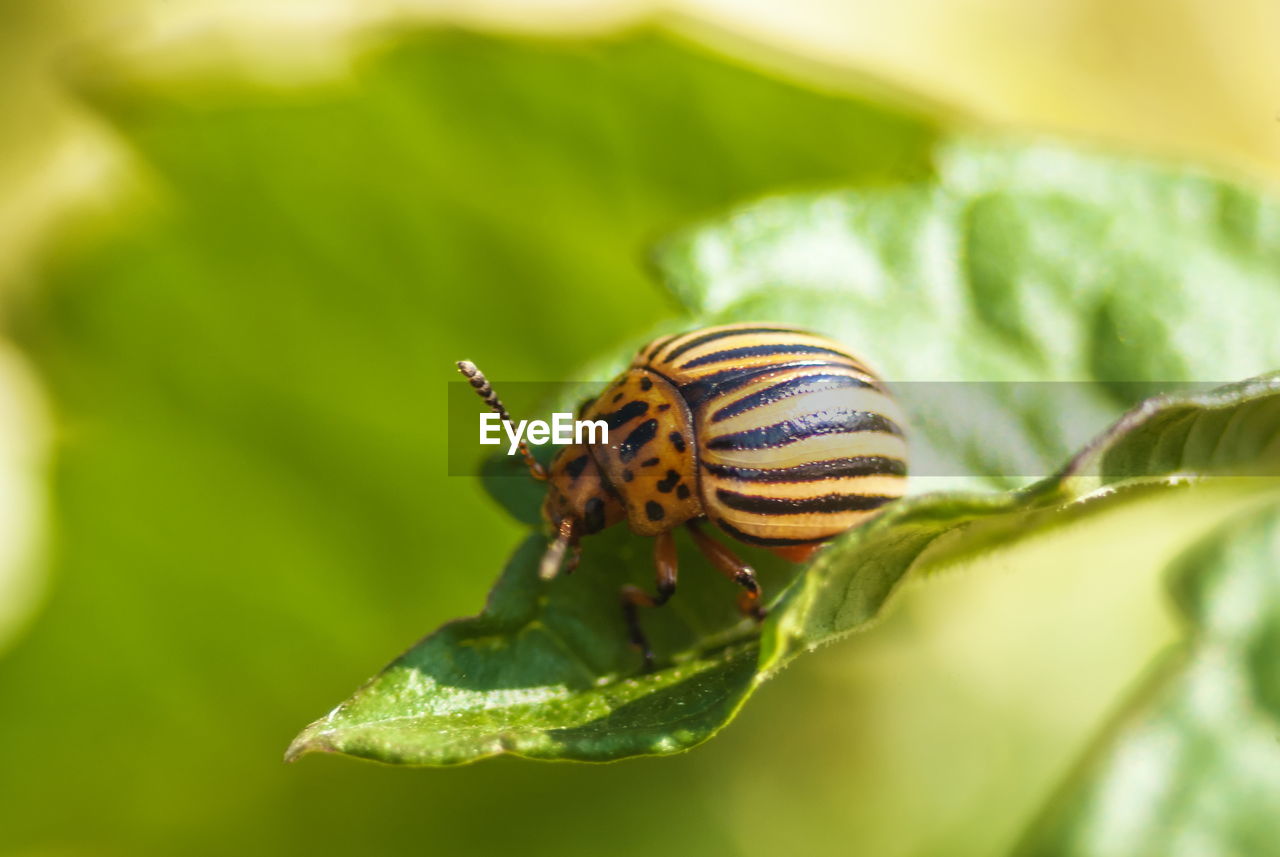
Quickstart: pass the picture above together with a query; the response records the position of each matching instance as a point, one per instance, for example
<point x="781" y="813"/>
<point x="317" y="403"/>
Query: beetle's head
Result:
<point x="579" y="502"/>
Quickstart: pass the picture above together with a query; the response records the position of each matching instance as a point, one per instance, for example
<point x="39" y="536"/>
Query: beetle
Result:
<point x="780" y="437"/>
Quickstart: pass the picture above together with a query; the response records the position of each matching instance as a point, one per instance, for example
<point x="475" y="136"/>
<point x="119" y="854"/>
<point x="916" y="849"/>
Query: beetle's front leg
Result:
<point x="633" y="597"/>
<point x="749" y="602"/>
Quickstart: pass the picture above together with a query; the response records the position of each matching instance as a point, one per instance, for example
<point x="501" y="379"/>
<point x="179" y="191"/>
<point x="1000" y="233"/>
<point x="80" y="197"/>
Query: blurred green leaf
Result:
<point x="247" y="356"/>
<point x="1050" y="288"/>
<point x="1193" y="763"/>
<point x="999" y="271"/>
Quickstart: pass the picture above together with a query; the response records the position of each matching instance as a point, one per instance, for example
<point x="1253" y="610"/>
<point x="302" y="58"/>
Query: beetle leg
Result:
<point x="633" y="597"/>
<point x="575" y="554"/>
<point x="733" y="568"/>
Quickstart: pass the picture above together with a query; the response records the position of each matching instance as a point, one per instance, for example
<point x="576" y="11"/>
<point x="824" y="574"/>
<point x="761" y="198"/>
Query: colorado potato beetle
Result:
<point x="780" y="437"/>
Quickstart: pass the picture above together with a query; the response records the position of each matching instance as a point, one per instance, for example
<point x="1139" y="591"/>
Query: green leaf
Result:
<point x="1193" y="762"/>
<point x="1041" y="266"/>
<point x="1036" y="265"/>
<point x="538" y="674"/>
<point x="525" y="678"/>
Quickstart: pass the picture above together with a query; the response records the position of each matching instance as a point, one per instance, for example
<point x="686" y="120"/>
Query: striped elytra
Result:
<point x="780" y="437"/>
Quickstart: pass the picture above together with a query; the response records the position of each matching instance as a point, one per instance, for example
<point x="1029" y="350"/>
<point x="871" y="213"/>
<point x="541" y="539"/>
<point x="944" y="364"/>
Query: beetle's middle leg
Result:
<point x="749" y="602"/>
<point x="633" y="597"/>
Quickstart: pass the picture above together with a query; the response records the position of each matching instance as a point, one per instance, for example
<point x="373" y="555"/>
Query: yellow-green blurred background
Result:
<point x="198" y="555"/>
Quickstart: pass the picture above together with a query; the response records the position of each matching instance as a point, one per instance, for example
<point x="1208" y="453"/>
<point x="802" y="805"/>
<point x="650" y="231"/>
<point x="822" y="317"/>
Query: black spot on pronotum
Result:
<point x="574" y="468"/>
<point x="624" y="414"/>
<point x="617" y="397"/>
<point x="668" y="482"/>
<point x="665" y="406"/>
<point x="654" y="511"/>
<point x="594" y="511"/>
<point x="682" y="491"/>
<point x="649" y="462"/>
<point x="639" y="436"/>
<point x="646" y="383"/>
<point x="677" y="440"/>
<point x="627" y="475"/>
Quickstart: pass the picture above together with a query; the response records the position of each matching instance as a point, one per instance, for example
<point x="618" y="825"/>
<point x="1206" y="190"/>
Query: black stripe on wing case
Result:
<point x="834" y="468"/>
<point x="762" y="351"/>
<point x="763" y="541"/>
<point x="658" y="345"/>
<point x="721" y="334"/>
<point x="801" y="505"/>
<point x="807" y="426"/>
<point x="718" y="383"/>
<point x="786" y="389"/>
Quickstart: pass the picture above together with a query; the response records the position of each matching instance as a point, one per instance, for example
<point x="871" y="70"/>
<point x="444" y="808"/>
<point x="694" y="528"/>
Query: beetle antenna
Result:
<point x="481" y="385"/>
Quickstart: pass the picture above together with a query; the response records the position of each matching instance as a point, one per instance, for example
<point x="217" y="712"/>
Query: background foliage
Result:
<point x="244" y="355"/>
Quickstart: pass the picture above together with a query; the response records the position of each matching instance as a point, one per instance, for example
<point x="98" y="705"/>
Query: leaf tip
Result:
<point x="308" y="741"/>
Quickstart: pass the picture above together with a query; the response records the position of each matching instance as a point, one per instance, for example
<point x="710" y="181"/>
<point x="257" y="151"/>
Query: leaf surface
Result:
<point x="1193" y="762"/>
<point x="1018" y="304"/>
